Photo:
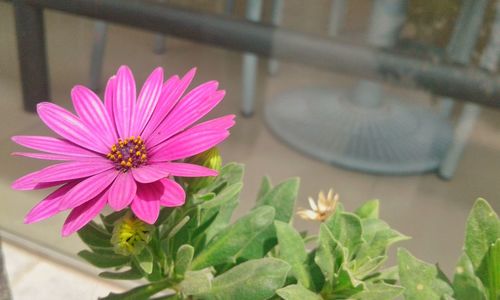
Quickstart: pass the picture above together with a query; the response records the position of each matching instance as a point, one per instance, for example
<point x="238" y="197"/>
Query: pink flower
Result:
<point x="122" y="152"/>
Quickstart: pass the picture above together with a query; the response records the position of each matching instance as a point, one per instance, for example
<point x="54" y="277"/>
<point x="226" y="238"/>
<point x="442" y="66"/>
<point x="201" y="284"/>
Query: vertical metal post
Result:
<point x="229" y="7"/>
<point x="462" y="44"/>
<point x="337" y="13"/>
<point x="32" y="54"/>
<point x="463" y="41"/>
<point x="276" y="18"/>
<point x="386" y="21"/>
<point x="159" y="44"/>
<point x="249" y="68"/>
<point x="97" y="55"/>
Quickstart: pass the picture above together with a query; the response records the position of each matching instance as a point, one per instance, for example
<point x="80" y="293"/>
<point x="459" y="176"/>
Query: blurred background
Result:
<point x="425" y="156"/>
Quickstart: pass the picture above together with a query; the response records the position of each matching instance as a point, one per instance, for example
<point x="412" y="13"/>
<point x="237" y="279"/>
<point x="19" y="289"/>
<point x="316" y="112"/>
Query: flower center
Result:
<point x="128" y="153"/>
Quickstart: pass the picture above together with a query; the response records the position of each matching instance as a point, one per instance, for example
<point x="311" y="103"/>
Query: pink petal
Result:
<point x="194" y="140"/>
<point x="109" y="93"/>
<point x="146" y="205"/>
<point x="53" y="145"/>
<point x="122" y="191"/>
<point x="124" y="101"/>
<point x="69" y="127"/>
<point x="149" y="173"/>
<point x="147" y="100"/>
<point x="171" y="92"/>
<point x="225" y="122"/>
<point x="27" y="183"/>
<point x="72" y="170"/>
<point x="83" y="214"/>
<point x="173" y="194"/>
<point x="48" y="206"/>
<point x="187" y="170"/>
<point x="50" y="156"/>
<point x="93" y="114"/>
<point x="190" y="109"/>
<point x="87" y="189"/>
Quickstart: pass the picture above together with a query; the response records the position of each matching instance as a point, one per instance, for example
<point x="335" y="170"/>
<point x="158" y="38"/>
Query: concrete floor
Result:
<point x="430" y="210"/>
<point x="32" y="276"/>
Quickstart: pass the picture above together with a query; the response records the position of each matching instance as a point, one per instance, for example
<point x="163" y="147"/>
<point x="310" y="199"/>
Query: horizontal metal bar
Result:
<point x="442" y="79"/>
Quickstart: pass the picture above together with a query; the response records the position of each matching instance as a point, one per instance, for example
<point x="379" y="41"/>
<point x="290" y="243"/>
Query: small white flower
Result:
<point x="321" y="210"/>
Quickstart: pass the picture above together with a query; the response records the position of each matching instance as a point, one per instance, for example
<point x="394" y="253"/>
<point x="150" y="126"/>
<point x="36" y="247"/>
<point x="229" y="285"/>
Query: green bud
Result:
<point x="130" y="235"/>
<point x="210" y="159"/>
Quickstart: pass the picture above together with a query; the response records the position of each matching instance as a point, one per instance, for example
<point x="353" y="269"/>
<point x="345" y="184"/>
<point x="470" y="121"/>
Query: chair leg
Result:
<point x="32" y="54"/>
<point x="466" y="123"/>
<point x="249" y="68"/>
<point x="337" y="13"/>
<point x="159" y="46"/>
<point x="229" y="7"/>
<point x="276" y="18"/>
<point x="97" y="55"/>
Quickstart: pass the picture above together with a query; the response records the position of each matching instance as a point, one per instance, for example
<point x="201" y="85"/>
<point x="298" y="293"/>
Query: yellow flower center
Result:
<point x="128" y="153"/>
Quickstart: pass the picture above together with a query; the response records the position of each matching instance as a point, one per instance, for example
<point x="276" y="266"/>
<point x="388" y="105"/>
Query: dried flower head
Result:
<point x="323" y="209"/>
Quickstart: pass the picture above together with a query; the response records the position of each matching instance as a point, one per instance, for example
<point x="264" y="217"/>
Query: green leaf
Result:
<point x="483" y="229"/>
<point x="165" y="214"/>
<point x="233" y="239"/>
<point x="232" y="173"/>
<point x="317" y="277"/>
<point x="265" y="187"/>
<point x="103" y="261"/>
<point x="201" y="198"/>
<point x="145" y="260"/>
<point x="95" y="236"/>
<point x="223" y="197"/>
<point x="492" y="264"/>
<point x="282" y="198"/>
<point x="379" y="291"/>
<point x="330" y="254"/>
<point x="196" y="282"/>
<point x="369" y="210"/>
<point x="466" y="284"/>
<point x="297" y="292"/>
<point x="420" y="280"/>
<point x="345" y="284"/>
<point x="183" y="259"/>
<point x="293" y="251"/>
<point x="228" y="175"/>
<point x="372" y="253"/>
<point x="389" y="276"/>
<point x="229" y="197"/>
<point x="178" y="227"/>
<point x="366" y="266"/>
<point x="109" y="220"/>
<point x="346" y="229"/>
<point x="251" y="280"/>
<point x="131" y="274"/>
<point x="140" y="293"/>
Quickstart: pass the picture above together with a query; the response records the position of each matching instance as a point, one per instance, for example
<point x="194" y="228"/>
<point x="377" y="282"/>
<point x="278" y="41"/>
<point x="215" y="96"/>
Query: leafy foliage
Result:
<point x="477" y="273"/>
<point x="195" y="252"/>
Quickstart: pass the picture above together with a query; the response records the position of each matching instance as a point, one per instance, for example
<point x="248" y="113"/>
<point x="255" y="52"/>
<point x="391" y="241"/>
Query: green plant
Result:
<point x="477" y="275"/>
<point x="194" y="252"/>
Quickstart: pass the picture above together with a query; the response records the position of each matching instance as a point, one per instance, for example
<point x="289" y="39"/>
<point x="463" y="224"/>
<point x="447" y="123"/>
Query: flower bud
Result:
<point x="210" y="159"/>
<point x="130" y="235"/>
